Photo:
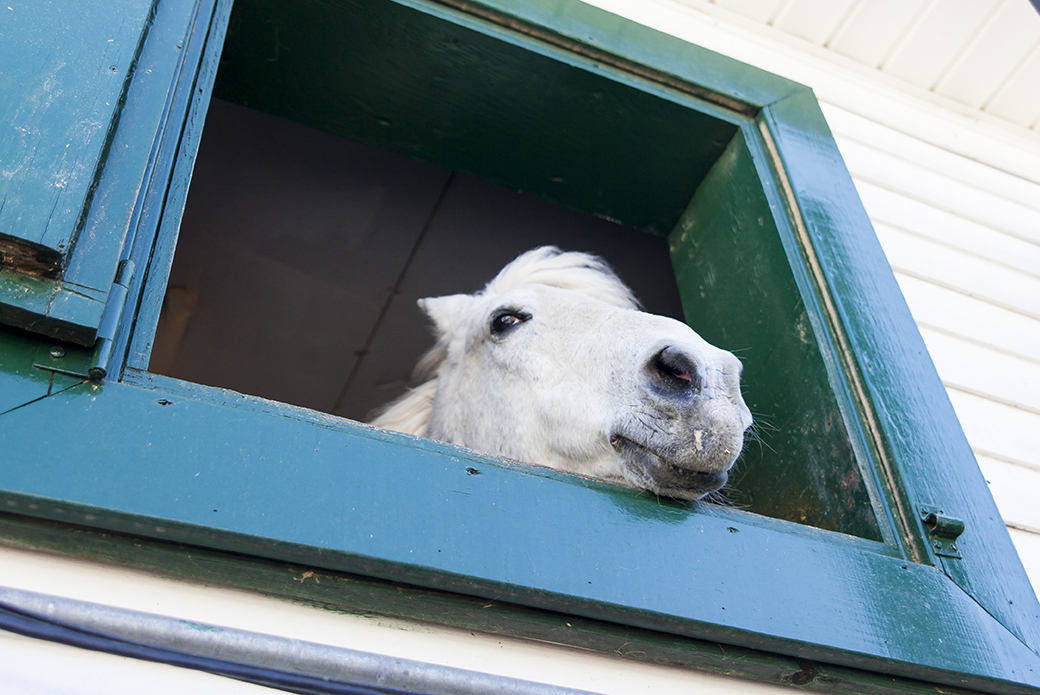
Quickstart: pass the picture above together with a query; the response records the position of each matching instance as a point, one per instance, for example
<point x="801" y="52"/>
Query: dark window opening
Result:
<point x="302" y="254"/>
<point x="360" y="156"/>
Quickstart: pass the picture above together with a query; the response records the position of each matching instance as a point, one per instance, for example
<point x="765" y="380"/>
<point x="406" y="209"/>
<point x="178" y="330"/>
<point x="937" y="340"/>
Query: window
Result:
<point x="845" y="553"/>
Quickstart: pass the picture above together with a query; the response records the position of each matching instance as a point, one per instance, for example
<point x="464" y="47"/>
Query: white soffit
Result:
<point x="961" y="74"/>
<point x="984" y="54"/>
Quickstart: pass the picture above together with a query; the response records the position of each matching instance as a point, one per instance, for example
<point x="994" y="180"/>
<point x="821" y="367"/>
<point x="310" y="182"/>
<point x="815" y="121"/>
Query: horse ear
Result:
<point x="445" y="311"/>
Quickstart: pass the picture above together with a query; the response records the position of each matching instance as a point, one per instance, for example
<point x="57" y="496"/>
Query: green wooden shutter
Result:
<point x="64" y="71"/>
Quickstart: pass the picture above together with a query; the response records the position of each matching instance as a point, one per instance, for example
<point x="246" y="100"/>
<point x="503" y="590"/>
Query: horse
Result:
<point x="555" y="363"/>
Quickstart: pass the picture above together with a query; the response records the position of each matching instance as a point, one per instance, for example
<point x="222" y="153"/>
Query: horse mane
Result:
<point x="547" y="265"/>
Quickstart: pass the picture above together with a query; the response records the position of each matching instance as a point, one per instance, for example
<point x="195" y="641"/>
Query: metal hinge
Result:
<point x="943" y="531"/>
<point x="86" y="362"/>
<point x="110" y="321"/>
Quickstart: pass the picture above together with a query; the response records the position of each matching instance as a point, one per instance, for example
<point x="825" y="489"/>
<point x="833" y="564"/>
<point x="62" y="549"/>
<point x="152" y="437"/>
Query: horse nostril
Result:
<point x="674" y="370"/>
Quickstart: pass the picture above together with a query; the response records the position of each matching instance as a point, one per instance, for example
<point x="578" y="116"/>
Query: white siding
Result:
<point x="983" y="54"/>
<point x="813" y="20"/>
<point x="936" y="39"/>
<point x="874" y="29"/>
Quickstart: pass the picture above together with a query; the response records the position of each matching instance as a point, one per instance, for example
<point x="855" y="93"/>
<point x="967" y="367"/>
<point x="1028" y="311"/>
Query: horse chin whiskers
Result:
<point x="655" y="472"/>
<point x="718" y="498"/>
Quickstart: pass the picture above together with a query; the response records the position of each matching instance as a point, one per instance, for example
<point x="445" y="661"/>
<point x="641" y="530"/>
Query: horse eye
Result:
<point x="505" y="320"/>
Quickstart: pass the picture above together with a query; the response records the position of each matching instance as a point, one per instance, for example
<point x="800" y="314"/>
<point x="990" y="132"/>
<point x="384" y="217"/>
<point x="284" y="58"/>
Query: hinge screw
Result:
<point x="57" y="352"/>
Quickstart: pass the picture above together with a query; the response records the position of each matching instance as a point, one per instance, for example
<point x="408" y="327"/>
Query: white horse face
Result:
<point x="555" y="377"/>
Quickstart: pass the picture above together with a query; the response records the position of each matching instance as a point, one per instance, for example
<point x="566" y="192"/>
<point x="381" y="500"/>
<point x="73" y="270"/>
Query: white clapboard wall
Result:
<point x="935" y="105"/>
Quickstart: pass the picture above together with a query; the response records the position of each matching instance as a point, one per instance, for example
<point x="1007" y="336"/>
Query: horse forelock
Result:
<point x="570" y="270"/>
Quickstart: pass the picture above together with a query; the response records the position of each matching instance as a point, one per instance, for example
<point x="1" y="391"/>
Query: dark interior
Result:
<point x="302" y="254"/>
<point x="361" y="155"/>
<point x="416" y="83"/>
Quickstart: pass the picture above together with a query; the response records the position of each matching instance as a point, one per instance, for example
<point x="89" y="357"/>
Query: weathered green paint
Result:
<point x="739" y="293"/>
<point x="159" y="459"/>
<point x="65" y="71"/>
<point x="925" y="454"/>
<point x="376" y="599"/>
<point x="348" y="498"/>
<point x="65" y="68"/>
<point x="51" y="307"/>
<point x="475" y="99"/>
<point x="70" y="305"/>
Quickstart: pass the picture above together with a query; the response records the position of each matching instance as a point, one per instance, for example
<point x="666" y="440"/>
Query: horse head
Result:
<point x="553" y="363"/>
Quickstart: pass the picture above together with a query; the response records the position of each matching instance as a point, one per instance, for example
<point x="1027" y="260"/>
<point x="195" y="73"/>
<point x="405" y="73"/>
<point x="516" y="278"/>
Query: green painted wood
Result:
<point x="470" y="97"/>
<point x="351" y="594"/>
<point x="356" y="595"/>
<point x="26" y="300"/>
<point x="924" y="445"/>
<point x="70" y="306"/>
<point x="636" y="49"/>
<point x="21" y="382"/>
<point x="65" y="68"/>
<point x="348" y="498"/>
<point x="167" y="55"/>
<point x="738" y="291"/>
<point x="173" y="161"/>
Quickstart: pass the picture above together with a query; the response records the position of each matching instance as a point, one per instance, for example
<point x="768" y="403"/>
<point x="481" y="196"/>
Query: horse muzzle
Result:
<point x="687" y="431"/>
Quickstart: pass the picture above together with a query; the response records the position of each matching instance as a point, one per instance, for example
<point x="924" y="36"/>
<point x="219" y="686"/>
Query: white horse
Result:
<point x="553" y="363"/>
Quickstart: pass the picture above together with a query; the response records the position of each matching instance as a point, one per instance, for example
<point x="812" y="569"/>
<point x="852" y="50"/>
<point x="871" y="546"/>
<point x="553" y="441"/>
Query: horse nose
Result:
<point x="674" y="372"/>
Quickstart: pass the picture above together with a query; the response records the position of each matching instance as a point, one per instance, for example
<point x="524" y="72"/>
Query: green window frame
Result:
<point x="104" y="458"/>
